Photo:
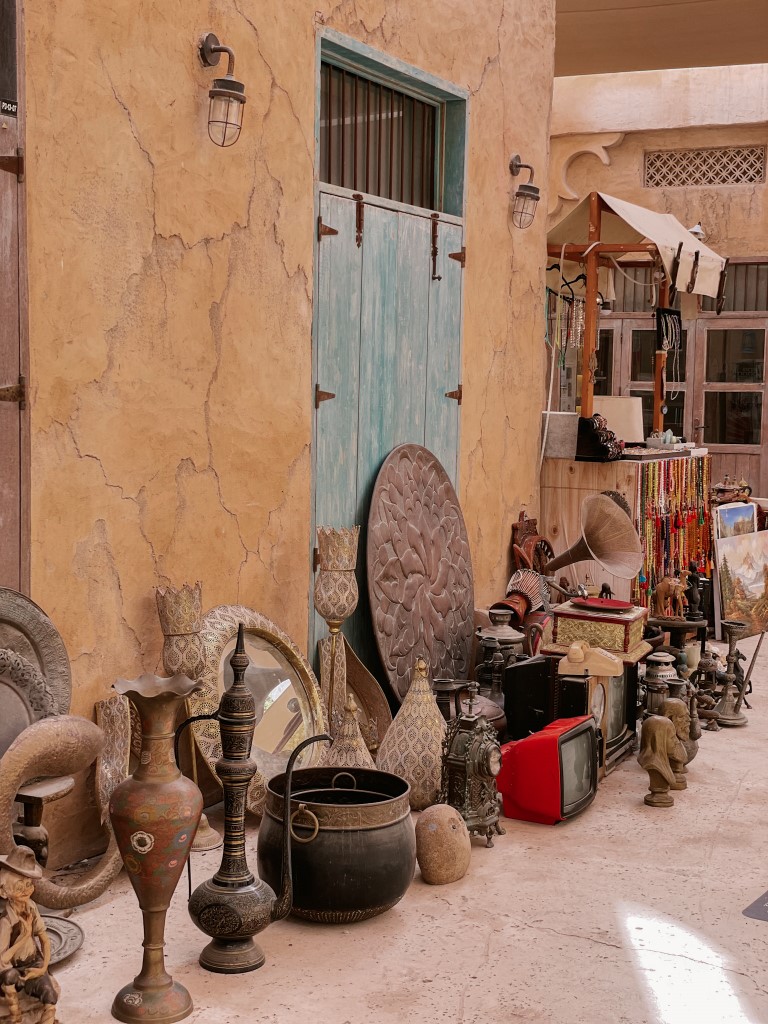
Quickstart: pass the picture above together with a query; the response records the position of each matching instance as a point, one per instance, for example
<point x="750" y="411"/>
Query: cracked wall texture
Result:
<point x="170" y="303"/>
<point x="735" y="217"/>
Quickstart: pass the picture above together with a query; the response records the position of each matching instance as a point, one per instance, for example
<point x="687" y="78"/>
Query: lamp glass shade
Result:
<point x="525" y="203"/>
<point x="225" y="119"/>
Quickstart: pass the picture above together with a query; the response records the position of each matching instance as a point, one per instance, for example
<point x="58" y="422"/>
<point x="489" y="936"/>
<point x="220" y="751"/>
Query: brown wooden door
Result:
<point x="11" y="466"/>
<point x="729" y="411"/>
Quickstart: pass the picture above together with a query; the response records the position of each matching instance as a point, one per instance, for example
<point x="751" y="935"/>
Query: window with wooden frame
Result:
<point x="377" y="139"/>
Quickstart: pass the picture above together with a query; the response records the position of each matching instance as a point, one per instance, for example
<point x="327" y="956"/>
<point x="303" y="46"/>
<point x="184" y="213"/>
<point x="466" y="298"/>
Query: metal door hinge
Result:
<point x="324" y="229"/>
<point x="359" y="218"/>
<point x="315" y="559"/>
<point x="322" y="396"/>
<point x="460" y="256"/>
<point x="15" y="393"/>
<point x="456" y="395"/>
<point x="14" y="164"/>
<point x="435" y="276"/>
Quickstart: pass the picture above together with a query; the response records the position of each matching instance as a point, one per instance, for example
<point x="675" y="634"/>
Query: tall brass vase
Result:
<point x="155" y="814"/>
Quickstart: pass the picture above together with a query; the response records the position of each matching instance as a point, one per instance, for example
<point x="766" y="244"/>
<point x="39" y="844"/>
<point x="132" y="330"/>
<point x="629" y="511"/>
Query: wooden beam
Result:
<point x="575" y="250"/>
<point x="590" y="308"/>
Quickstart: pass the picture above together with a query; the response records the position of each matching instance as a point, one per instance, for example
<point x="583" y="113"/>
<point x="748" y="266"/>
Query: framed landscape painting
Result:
<point x="742" y="574"/>
<point x="735" y="519"/>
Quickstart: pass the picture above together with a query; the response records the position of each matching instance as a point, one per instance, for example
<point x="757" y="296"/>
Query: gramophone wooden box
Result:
<point x="618" y="633"/>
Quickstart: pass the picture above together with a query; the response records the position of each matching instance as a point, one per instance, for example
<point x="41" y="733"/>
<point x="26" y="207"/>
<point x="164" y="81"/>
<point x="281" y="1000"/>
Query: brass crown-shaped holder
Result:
<point x="337" y="549"/>
<point x="180" y="609"/>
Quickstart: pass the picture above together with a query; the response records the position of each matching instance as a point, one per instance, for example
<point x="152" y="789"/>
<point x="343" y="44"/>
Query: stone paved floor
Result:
<point x="625" y="915"/>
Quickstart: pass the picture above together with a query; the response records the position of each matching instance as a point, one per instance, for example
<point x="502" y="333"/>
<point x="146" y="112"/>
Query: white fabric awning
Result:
<point x="627" y="222"/>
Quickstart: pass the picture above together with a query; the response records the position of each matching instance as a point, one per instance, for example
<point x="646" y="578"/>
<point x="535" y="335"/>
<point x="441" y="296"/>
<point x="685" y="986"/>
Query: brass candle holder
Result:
<point x="336" y="597"/>
<point x="728" y="709"/>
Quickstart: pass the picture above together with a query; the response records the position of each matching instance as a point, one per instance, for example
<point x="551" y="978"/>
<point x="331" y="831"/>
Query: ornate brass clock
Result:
<point x="471" y="762"/>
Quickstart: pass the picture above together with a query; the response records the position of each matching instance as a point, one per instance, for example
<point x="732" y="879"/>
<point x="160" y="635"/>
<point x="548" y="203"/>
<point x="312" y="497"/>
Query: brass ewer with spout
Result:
<point x="235" y="904"/>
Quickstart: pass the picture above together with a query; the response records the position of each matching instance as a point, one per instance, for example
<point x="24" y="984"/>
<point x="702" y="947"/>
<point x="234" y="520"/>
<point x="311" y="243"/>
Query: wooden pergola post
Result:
<point x="590" y="309"/>
<point x="660" y="363"/>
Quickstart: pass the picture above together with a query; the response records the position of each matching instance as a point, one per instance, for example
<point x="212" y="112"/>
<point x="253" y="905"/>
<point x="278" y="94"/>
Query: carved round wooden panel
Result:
<point x="419" y="569"/>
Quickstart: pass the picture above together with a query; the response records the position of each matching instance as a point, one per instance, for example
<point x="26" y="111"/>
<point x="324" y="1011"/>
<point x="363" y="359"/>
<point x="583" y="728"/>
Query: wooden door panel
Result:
<point x="378" y="351"/>
<point x="337" y="371"/>
<point x="10" y="366"/>
<point x="444" y="356"/>
<point x="388" y="346"/>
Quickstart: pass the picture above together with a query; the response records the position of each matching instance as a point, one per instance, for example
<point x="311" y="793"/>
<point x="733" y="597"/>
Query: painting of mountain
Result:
<point x="735" y="519"/>
<point x="742" y="567"/>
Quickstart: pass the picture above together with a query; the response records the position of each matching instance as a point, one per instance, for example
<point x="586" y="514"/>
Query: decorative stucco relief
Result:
<point x="564" y="150"/>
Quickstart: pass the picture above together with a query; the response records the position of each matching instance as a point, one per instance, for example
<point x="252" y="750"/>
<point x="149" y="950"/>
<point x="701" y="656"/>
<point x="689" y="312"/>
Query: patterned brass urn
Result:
<point x="154" y="815"/>
<point x="180" y="611"/>
<point x="235" y="905"/>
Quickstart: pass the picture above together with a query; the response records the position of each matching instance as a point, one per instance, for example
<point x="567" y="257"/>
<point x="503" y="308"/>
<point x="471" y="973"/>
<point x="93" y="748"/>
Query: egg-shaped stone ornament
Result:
<point x="443" y="848"/>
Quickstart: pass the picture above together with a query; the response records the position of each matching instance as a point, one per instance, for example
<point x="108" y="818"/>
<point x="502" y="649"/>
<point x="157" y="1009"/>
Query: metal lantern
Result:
<point x="227" y="96"/>
<point x="526" y="199"/>
<point x="471" y="762"/>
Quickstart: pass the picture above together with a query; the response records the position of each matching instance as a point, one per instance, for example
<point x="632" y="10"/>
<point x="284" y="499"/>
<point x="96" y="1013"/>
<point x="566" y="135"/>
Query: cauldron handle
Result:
<point x="303" y="809"/>
<point x="349" y="775"/>
<point x="282" y="906"/>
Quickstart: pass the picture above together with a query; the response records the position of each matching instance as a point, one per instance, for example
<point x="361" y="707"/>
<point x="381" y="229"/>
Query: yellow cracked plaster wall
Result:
<point x="170" y="305"/>
<point x="735" y="217"/>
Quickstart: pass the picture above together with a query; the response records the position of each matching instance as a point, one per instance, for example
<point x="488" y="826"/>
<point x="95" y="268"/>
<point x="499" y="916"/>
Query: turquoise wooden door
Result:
<point x="388" y="346"/>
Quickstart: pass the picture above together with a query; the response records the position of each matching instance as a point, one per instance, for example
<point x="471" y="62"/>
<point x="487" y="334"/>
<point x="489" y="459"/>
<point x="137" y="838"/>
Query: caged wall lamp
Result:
<point x="526" y="198"/>
<point x="225" y="112"/>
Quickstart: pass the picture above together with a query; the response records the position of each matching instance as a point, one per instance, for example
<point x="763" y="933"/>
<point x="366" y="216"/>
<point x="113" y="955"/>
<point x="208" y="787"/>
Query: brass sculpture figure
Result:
<point x="657" y="742"/>
<point x="25" y="949"/>
<point x="676" y="710"/>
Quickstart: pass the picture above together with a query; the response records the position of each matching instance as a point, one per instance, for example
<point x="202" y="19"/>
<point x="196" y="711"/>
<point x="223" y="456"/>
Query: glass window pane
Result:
<point x="736" y="356"/>
<point x="673" y="419"/>
<point x="604" y="369"/>
<point x="644" y="355"/>
<point x="375" y="139"/>
<point x="731" y="417"/>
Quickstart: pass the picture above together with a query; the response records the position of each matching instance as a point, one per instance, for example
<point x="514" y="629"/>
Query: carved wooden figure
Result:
<point x="29" y="992"/>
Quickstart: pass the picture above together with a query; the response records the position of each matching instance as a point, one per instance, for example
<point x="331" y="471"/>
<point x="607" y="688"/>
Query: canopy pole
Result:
<point x="660" y="364"/>
<point x="590" y="310"/>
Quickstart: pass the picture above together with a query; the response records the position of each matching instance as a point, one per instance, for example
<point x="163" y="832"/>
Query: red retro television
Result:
<point x="552" y="774"/>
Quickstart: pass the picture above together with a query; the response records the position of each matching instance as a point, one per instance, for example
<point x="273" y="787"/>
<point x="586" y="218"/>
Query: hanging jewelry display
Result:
<point x="669" y="338"/>
<point x="674" y="519"/>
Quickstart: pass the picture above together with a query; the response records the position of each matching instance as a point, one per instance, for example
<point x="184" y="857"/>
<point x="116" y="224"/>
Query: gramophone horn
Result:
<point x="607" y="536"/>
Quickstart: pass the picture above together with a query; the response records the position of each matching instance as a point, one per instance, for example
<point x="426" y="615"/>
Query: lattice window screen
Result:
<point x="734" y="165"/>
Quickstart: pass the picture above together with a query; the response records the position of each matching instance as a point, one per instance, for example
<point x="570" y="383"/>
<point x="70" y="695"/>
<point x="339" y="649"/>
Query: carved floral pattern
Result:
<point x="419" y="569"/>
<point x="30" y="682"/>
<point x="112" y="765"/>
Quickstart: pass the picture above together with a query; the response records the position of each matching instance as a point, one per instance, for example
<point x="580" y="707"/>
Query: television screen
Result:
<point x="616" y="721"/>
<point x="551" y="774"/>
<point x="576" y="760"/>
